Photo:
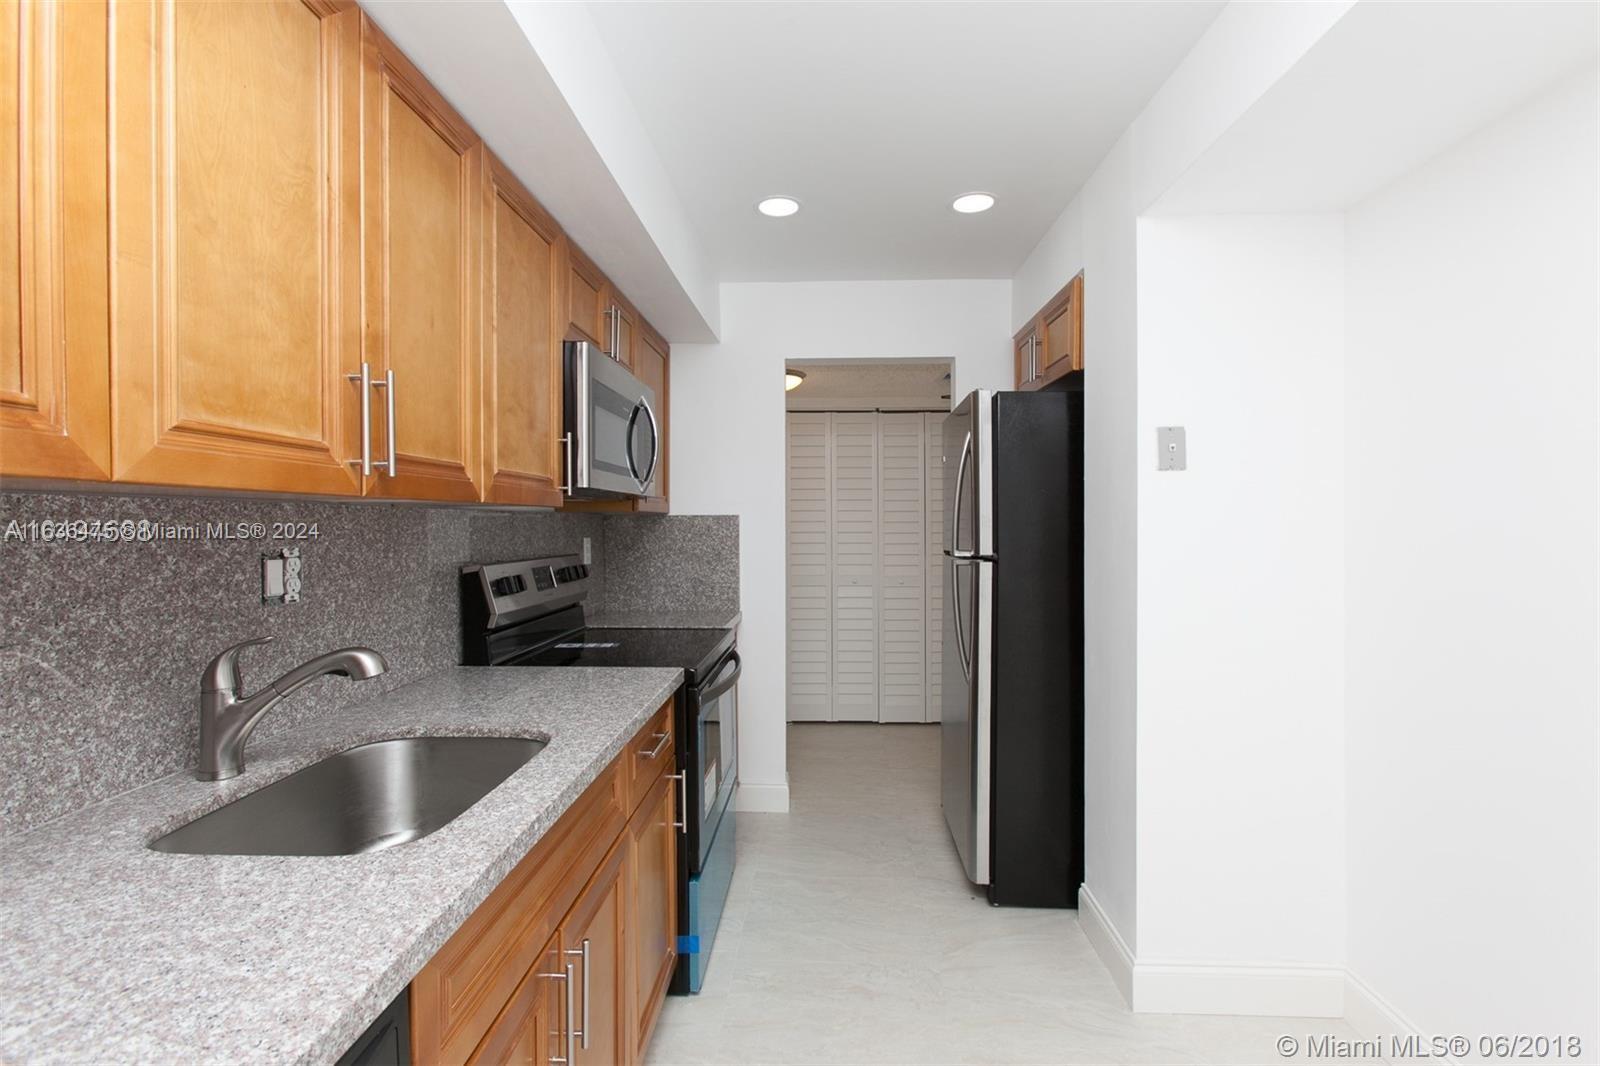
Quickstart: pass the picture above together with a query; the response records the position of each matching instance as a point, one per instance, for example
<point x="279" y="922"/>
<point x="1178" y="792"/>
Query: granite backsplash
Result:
<point x="102" y="643"/>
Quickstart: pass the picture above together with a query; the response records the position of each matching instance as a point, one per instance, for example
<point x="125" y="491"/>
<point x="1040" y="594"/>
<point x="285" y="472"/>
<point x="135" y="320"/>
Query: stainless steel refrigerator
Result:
<point x="1012" y="715"/>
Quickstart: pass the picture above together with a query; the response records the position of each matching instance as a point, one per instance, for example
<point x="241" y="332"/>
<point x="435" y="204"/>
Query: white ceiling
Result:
<point x="875" y="115"/>
<point x="1387" y="88"/>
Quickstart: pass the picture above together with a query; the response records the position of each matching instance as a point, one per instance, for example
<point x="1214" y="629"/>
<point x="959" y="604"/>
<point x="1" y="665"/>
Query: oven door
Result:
<point x="611" y="431"/>
<point x="715" y="706"/>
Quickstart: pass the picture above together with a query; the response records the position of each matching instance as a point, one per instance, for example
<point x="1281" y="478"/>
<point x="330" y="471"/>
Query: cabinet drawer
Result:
<point x="463" y="988"/>
<point x="649" y="754"/>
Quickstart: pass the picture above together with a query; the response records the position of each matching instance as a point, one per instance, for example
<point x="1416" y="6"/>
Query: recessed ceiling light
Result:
<point x="973" y="202"/>
<point x="792" y="379"/>
<point x="778" y="206"/>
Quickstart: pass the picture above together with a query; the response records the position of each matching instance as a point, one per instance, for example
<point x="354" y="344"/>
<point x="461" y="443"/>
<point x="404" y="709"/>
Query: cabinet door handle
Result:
<point x="364" y="380"/>
<point x="610" y="315"/>
<point x="682" y="822"/>
<point x="566" y="999"/>
<point x="661" y="742"/>
<point x="1033" y="358"/>
<point x="583" y="954"/>
<point x="387" y="385"/>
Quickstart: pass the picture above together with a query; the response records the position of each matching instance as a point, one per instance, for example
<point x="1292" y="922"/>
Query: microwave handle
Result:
<point x="655" y="442"/>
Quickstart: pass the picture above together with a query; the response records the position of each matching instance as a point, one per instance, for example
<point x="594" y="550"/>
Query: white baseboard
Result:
<point x="1374" y="1017"/>
<point x="1172" y="987"/>
<point x="763" y="799"/>
<point x="1270" y="990"/>
<point x="1106" y="941"/>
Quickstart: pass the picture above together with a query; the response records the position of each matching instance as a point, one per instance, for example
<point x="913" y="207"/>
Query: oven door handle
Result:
<point x="724" y="680"/>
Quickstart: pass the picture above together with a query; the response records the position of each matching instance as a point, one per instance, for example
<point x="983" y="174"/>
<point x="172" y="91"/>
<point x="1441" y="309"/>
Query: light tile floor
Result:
<point x="852" y="936"/>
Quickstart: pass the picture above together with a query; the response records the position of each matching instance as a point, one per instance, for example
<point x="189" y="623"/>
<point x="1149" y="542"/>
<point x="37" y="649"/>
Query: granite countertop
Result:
<point x="117" y="953"/>
<point x="609" y="619"/>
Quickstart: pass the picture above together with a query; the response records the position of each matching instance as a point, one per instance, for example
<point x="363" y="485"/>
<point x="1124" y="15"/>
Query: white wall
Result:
<point x="728" y="443"/>
<point x="1241" y="615"/>
<point x="1248" y="48"/>
<point x="1472" y="536"/>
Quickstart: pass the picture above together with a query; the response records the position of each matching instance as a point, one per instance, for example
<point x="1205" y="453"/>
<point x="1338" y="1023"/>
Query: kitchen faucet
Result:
<point x="226" y="719"/>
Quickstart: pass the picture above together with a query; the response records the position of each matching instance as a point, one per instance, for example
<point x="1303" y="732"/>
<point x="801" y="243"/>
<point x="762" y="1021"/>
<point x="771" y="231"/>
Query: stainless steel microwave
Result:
<point x="610" y="433"/>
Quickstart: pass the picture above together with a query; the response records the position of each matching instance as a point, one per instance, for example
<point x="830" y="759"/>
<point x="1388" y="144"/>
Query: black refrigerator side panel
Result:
<point x="1038" y="650"/>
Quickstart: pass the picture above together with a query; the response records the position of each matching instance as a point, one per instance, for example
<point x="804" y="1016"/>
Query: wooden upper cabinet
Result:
<point x="1050" y="346"/>
<point x="1026" y="348"/>
<point x="523" y="327"/>
<point x="55" y="406"/>
<point x="1062" y="325"/>
<point x="423" y="205"/>
<point x="650" y="363"/>
<point x="586" y="309"/>
<point x="235" y="243"/>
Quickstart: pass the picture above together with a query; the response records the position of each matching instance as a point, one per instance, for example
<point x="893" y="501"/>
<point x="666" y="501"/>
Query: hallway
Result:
<point x="852" y="936"/>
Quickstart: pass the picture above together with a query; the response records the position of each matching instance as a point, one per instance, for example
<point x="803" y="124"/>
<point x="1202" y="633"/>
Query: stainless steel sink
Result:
<point x="364" y="799"/>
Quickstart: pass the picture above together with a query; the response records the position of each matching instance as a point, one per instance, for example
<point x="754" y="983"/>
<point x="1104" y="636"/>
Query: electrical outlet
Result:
<point x="587" y="557"/>
<point x="1172" y="450"/>
<point x="280" y="576"/>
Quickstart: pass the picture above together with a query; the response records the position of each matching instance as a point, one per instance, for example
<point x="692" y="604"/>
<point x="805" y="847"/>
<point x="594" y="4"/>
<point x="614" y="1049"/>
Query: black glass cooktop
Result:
<point x="695" y="651"/>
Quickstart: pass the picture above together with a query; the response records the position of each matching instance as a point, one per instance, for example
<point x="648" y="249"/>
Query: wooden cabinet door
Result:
<point x="650" y="363"/>
<point x="521" y="345"/>
<point x="1062" y="319"/>
<point x="530" y="1030"/>
<point x="594" y="935"/>
<point x="55" y="378"/>
<point x="234" y="243"/>
<point x="586" y="306"/>
<point x="653" y="894"/>
<point x="1025" y="345"/>
<point x="422" y="204"/>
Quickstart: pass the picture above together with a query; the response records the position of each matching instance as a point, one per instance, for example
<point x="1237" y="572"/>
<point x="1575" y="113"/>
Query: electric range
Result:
<point x="530" y="613"/>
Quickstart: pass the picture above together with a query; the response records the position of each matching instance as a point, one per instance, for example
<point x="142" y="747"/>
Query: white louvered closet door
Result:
<point x="853" y="465"/>
<point x="810" y="555"/>
<point x="933" y="501"/>
<point x="902" y="569"/>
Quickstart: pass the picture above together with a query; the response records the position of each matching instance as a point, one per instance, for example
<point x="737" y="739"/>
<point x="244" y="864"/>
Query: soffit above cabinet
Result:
<point x="538" y="86"/>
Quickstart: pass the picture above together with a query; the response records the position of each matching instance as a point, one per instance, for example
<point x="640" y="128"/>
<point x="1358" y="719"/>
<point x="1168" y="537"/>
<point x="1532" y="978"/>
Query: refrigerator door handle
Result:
<point x="955" y="506"/>
<point x="961" y="639"/>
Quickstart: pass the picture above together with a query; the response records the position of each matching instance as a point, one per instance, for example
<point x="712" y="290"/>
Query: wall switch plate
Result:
<point x="1172" y="450"/>
<point x="587" y="559"/>
<point x="280" y="576"/>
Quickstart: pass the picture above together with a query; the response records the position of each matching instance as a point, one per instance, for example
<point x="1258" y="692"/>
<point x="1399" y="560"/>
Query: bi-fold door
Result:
<point x="865" y="579"/>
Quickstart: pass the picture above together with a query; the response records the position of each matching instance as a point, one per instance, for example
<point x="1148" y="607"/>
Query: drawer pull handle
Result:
<point x="661" y="742"/>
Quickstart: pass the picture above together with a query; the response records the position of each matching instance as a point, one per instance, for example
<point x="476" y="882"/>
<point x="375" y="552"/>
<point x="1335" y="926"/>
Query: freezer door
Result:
<point x="965" y="455"/>
<point x="965" y="723"/>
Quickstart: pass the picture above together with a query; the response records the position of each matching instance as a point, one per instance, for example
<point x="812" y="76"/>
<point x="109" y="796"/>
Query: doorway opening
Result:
<point x="864" y="551"/>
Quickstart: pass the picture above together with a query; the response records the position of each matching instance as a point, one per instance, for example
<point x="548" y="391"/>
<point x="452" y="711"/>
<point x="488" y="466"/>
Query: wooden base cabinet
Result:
<point x="653" y="851"/>
<point x="569" y="958"/>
